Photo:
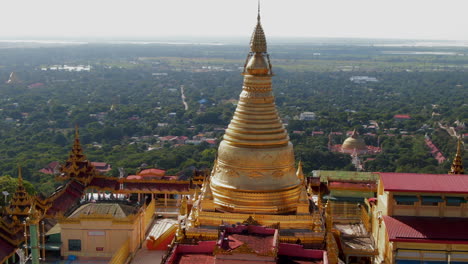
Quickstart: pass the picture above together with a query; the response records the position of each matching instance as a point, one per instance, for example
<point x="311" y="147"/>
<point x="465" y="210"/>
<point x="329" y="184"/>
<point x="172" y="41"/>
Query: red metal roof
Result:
<point x="148" y="186"/>
<point x="152" y="173"/>
<point x="427" y="229"/>
<point x="104" y="183"/>
<point x="195" y="258"/>
<point x="418" y="182"/>
<point x="6" y="249"/>
<point x="65" y="200"/>
<point x="367" y="186"/>
<point x="402" y="116"/>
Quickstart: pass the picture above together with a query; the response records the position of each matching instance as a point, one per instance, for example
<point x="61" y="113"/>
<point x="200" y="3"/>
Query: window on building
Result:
<point x="74" y="245"/>
<point x="431" y="200"/>
<point x="454" y="201"/>
<point x="405" y="199"/>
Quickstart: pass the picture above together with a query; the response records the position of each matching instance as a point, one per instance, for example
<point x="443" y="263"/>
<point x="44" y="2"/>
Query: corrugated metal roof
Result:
<point x="427" y="229"/>
<point x="431" y="183"/>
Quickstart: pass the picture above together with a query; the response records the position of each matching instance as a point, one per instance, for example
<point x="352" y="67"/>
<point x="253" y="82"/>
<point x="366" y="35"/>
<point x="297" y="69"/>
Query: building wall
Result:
<point x="442" y="209"/>
<point x="431" y="252"/>
<point x="391" y="252"/>
<point x="379" y="234"/>
<point x="100" y="238"/>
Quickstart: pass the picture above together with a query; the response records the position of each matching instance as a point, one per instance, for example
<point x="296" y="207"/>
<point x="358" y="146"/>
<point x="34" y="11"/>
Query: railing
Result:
<point x="332" y="249"/>
<point x="149" y="214"/>
<point x="366" y="219"/>
<point x="155" y="242"/>
<point x="121" y="255"/>
<point x="345" y="210"/>
<point x="170" y="202"/>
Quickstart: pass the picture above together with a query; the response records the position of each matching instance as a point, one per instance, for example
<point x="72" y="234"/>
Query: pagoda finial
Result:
<point x="457" y="164"/>
<point x="258" y="12"/>
<point x="77" y="151"/>
<point x="258" y="40"/>
<point x="20" y="176"/>
<point x="77" y="132"/>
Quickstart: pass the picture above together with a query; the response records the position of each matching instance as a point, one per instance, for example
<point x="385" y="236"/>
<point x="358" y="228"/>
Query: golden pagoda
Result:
<point x="457" y="164"/>
<point x="254" y="179"/>
<point x="77" y="166"/>
<point x="354" y="143"/>
<point x="255" y="171"/>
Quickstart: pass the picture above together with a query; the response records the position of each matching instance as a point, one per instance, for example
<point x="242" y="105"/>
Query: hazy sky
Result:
<point x="428" y="19"/>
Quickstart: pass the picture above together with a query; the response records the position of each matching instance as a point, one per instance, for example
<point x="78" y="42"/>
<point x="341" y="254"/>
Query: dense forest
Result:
<point x="126" y="98"/>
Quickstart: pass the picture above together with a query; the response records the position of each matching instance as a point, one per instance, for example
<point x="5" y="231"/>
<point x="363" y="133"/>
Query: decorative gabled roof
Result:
<point x="77" y="165"/>
<point x="20" y="203"/>
<point x="427" y="229"/>
<point x="457" y="164"/>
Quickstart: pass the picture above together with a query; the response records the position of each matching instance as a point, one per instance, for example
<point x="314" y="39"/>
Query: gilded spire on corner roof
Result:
<point x="457" y="164"/>
<point x="21" y="201"/>
<point x="258" y="40"/>
<point x="77" y="166"/>
<point x="77" y="151"/>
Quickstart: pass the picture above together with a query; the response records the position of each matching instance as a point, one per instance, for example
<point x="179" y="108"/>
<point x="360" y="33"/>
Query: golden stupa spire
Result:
<point x="255" y="169"/>
<point x="457" y="164"/>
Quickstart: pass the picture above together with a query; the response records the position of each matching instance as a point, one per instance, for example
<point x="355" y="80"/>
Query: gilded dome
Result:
<point x="354" y="142"/>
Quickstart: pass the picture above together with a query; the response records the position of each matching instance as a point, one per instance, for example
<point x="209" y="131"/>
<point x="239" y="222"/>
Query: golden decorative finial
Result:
<point x="183" y="206"/>
<point x="457" y="164"/>
<point x="300" y="173"/>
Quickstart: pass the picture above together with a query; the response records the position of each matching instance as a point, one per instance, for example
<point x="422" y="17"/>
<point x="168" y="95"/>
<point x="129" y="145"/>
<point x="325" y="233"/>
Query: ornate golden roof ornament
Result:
<point x="34" y="215"/>
<point x="251" y="221"/>
<point x="457" y="164"/>
<point x="77" y="166"/>
<point x="196" y="193"/>
<point x="183" y="210"/>
<point x="300" y="173"/>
